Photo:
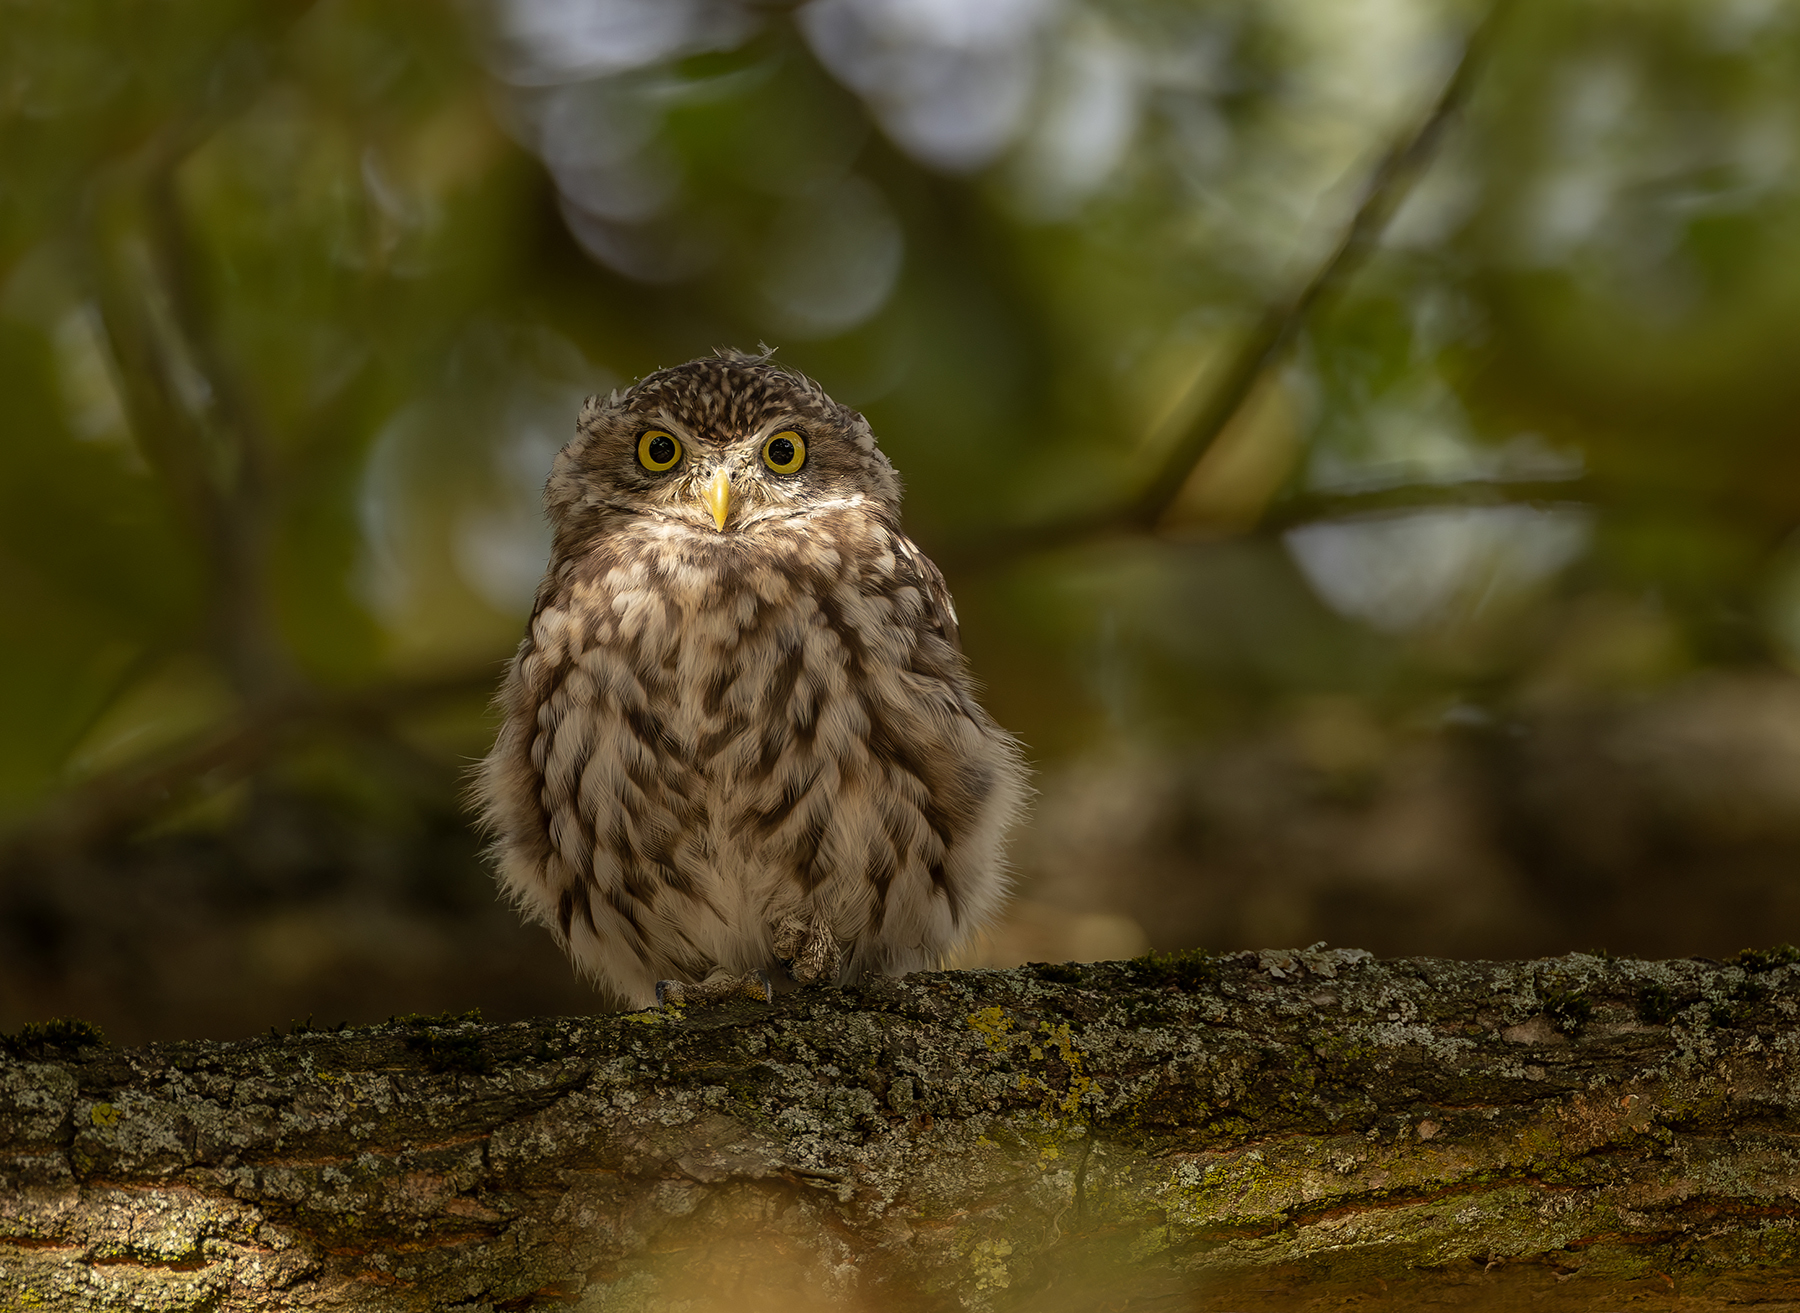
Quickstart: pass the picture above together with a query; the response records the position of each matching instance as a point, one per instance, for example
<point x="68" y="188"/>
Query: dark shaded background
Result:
<point x="1439" y="598"/>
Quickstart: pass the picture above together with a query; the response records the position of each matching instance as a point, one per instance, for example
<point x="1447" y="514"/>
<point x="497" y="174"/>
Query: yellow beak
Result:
<point x="717" y="497"/>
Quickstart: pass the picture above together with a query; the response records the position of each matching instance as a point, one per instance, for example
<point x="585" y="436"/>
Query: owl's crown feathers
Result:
<point x="724" y="442"/>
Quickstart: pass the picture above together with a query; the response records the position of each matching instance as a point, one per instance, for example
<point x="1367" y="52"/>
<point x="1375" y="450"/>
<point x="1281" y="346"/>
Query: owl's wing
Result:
<point x="917" y="569"/>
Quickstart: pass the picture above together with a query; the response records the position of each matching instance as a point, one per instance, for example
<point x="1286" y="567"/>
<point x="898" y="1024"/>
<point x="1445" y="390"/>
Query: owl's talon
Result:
<point x="717" y="988"/>
<point x="790" y="938"/>
<point x="817" y="959"/>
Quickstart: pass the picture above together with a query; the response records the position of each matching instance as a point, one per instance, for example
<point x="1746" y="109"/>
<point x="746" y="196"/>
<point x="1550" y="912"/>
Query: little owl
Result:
<point x="740" y="732"/>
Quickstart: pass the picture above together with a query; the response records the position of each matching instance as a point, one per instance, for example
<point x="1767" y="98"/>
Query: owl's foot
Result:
<point x="716" y="988"/>
<point x="809" y="952"/>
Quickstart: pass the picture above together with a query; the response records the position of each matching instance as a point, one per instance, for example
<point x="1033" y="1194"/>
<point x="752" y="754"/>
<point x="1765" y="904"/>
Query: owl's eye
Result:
<point x="785" y="452"/>
<point x="658" y="450"/>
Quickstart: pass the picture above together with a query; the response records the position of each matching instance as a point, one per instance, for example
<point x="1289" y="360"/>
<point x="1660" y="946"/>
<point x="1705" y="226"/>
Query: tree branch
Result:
<point x="1568" y="1134"/>
<point x="1264" y="345"/>
<point x="1311" y="507"/>
<point x="119" y="800"/>
<point x="192" y="421"/>
<point x="191" y="416"/>
<point x="236" y="442"/>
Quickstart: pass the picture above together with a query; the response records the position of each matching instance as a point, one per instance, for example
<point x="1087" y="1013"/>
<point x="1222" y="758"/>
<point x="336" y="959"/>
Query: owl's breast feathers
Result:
<point x="705" y="733"/>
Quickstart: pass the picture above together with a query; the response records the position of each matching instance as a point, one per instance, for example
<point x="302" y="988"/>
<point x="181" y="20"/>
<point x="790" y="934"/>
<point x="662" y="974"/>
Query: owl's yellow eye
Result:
<point x="658" y="450"/>
<point x="785" y="452"/>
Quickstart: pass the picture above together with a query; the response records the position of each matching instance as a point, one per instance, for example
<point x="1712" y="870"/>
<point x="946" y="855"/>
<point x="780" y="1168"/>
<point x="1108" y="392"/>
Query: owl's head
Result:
<point x="718" y="444"/>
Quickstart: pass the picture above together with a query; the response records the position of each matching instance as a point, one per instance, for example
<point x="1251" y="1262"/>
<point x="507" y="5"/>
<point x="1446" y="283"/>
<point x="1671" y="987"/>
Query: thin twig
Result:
<point x="1275" y="331"/>
<point x="165" y="427"/>
<point x="244" y="632"/>
<point x="1312" y="507"/>
<point x="117" y="801"/>
<point x="1281" y="323"/>
<point x="190" y="421"/>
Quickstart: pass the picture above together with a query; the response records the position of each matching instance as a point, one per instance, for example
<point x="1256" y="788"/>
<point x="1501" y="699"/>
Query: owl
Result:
<point x="740" y="745"/>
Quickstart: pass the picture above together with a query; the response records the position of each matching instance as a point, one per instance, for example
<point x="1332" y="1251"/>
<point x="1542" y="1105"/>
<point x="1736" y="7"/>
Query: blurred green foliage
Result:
<point x="297" y="302"/>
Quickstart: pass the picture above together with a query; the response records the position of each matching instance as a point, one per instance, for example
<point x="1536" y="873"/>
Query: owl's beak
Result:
<point x="717" y="498"/>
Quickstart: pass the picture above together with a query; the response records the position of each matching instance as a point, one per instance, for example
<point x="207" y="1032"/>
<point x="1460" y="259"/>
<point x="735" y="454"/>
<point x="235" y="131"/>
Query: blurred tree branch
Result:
<point x="192" y="416"/>
<point x="114" y="802"/>
<point x="1219" y="396"/>
<point x="240" y="451"/>
<point x="200" y="427"/>
<point x="1310" y="507"/>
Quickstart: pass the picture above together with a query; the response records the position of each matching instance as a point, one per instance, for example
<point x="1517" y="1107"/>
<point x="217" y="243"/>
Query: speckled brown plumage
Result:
<point x="731" y="744"/>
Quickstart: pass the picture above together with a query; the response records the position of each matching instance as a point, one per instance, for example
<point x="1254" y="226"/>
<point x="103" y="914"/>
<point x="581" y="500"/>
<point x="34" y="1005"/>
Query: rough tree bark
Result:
<point x="1275" y="1130"/>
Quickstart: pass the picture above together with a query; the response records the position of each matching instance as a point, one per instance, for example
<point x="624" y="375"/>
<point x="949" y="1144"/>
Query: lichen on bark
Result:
<point x="1253" y="1128"/>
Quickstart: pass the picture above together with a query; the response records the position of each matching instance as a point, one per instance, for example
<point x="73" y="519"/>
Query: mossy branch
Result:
<point x="1171" y="1131"/>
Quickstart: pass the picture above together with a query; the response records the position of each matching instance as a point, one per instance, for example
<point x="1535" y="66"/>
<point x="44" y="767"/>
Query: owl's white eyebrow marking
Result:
<point x="674" y="425"/>
<point x="780" y="422"/>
